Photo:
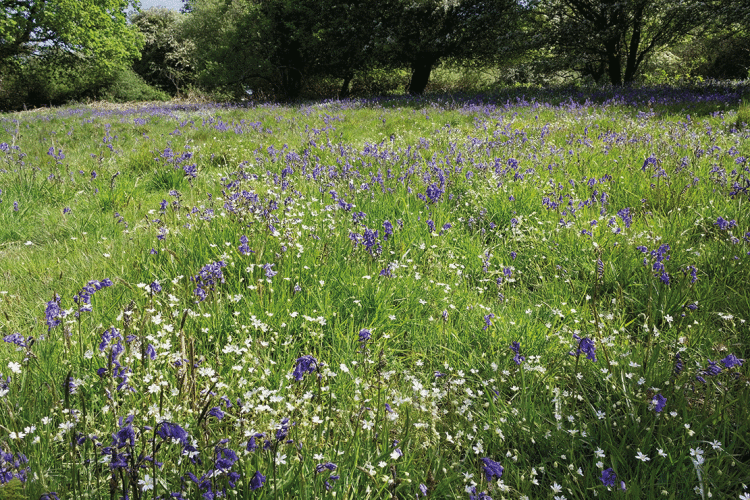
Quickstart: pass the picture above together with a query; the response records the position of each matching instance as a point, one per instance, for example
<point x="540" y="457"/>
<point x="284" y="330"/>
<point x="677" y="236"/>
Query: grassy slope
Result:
<point x="548" y="420"/>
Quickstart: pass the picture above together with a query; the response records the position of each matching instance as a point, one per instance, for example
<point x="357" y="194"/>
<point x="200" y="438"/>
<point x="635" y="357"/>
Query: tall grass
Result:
<point x="503" y="295"/>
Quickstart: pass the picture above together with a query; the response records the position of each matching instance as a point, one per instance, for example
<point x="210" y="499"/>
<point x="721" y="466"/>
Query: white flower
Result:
<point x="147" y="483"/>
<point x="14" y="367"/>
<point x="640" y="456"/>
<point x="556" y="488"/>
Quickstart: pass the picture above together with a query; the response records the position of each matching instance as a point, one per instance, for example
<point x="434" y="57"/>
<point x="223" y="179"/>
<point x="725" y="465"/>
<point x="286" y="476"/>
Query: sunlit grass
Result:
<point x="536" y="218"/>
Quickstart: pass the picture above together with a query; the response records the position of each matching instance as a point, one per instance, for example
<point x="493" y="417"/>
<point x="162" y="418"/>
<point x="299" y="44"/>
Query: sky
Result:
<point x="170" y="4"/>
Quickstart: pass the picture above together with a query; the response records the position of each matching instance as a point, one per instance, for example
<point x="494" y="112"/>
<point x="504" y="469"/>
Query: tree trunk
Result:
<point x="614" y="61"/>
<point x="631" y="66"/>
<point x="291" y="83"/>
<point x="344" y="92"/>
<point x="420" y="75"/>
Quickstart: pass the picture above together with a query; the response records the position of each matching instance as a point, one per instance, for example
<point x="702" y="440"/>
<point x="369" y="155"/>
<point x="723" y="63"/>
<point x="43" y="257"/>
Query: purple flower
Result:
<point x="170" y="431"/>
<point x="434" y="193"/>
<point x="659" y="403"/>
<point x="388" y="227"/>
<point x="492" y="469"/>
<point x="244" y="248"/>
<point x="516" y="348"/>
<point x="305" y="364"/>
<point x="423" y="489"/>
<point x="732" y="361"/>
<point x="608" y="477"/>
<point x="155" y="287"/>
<point x="216" y="412"/>
<point x="270" y="273"/>
<point x="283" y="431"/>
<point x="257" y="481"/>
<point x="678" y="364"/>
<point x="326" y="466"/>
<point x="473" y="495"/>
<point x="724" y="224"/>
<point x="586" y="346"/>
<point x="488" y="321"/>
<point x="207" y="278"/>
<point x="364" y="335"/>
<point x="15" y="338"/>
<point x="54" y="313"/>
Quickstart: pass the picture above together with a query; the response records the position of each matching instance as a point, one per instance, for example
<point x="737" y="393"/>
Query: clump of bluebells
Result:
<point x="305" y="364"/>
<point x="13" y="466"/>
<point x="516" y="348"/>
<point x="83" y="297"/>
<point x="207" y="279"/>
<point x="585" y="346"/>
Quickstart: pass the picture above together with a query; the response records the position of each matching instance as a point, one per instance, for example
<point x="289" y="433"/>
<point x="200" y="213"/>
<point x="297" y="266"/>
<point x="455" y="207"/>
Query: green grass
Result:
<point x="531" y="244"/>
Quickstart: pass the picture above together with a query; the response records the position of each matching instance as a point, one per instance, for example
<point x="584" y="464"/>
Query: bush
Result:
<point x="127" y="86"/>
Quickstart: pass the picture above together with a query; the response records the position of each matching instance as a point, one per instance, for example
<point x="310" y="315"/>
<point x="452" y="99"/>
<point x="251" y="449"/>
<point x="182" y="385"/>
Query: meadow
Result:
<point x="536" y="293"/>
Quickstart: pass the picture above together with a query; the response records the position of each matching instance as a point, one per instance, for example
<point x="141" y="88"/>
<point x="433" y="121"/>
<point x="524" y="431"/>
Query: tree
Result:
<point x="421" y="33"/>
<point x="166" y="55"/>
<point x="280" y="43"/>
<point x="614" y="37"/>
<point x="90" y="29"/>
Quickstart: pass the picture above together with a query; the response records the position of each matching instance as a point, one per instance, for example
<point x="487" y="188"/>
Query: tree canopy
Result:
<point x="614" y="37"/>
<point x="95" y="29"/>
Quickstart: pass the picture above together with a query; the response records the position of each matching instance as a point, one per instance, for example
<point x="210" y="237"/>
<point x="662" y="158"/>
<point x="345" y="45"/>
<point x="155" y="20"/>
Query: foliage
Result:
<point x="128" y="86"/>
<point x="92" y="29"/>
<point x="420" y="34"/>
<point x="613" y="38"/>
<point x="166" y="57"/>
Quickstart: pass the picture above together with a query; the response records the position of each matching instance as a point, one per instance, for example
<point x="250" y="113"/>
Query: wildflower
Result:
<point x="257" y="481"/>
<point x="516" y="348"/>
<point x="270" y="273"/>
<point x="147" y="483"/>
<point x="725" y="224"/>
<point x="364" y="335"/>
<point x="54" y="313"/>
<point x="388" y="227"/>
<point x="659" y="402"/>
<point x="473" y="495"/>
<point x="608" y="477"/>
<point x="586" y="346"/>
<point x="731" y="361"/>
<point x="492" y="469"/>
<point x="169" y="430"/>
<point x="305" y="364"/>
<point x="325" y="466"/>
<point x="488" y="321"/>
<point x="216" y="412"/>
<point x="283" y="430"/>
<point x="640" y="456"/>
<point x="207" y="278"/>
<point x="678" y="364"/>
